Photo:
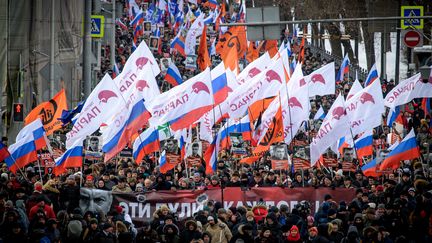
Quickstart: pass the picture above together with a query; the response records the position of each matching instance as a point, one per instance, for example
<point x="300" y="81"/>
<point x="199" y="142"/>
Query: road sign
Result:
<point x="97" y="26"/>
<point x="18" y="112"/>
<point x="412" y="38"/>
<point x="412" y="11"/>
<point x="263" y="14"/>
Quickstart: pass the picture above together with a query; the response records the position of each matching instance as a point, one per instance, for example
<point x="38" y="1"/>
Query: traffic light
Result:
<point x="18" y="112"/>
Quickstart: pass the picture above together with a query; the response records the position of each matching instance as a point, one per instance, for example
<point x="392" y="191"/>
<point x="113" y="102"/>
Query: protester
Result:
<point x="393" y="207"/>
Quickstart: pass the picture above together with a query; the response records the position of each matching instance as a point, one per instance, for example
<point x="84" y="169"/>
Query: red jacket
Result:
<point x="49" y="212"/>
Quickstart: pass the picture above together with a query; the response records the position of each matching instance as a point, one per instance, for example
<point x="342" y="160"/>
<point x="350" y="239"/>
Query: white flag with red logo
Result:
<point x="322" y="81"/>
<point x="183" y="104"/>
<point x="365" y="109"/>
<point x="254" y="68"/>
<point x="355" y="88"/>
<point x="408" y="90"/>
<point x="138" y="76"/>
<point x="96" y="110"/>
<point x="265" y="85"/>
<point x="333" y="127"/>
<point x="207" y="122"/>
<point x="296" y="107"/>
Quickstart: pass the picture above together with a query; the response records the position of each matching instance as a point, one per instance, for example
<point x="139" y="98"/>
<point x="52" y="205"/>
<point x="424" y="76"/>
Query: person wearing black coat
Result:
<point x="190" y="232"/>
<point x="90" y="233"/>
<point x="244" y="233"/>
<point x="106" y="235"/>
<point x="68" y="198"/>
<point x="162" y="184"/>
<point x="146" y="234"/>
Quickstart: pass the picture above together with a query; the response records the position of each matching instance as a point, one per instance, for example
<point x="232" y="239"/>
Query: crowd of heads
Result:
<point x="396" y="207"/>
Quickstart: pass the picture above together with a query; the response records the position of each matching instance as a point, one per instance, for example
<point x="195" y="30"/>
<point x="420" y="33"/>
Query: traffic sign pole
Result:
<point x="87" y="49"/>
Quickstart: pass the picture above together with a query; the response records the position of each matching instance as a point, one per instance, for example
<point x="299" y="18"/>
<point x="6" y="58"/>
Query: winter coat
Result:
<point x="68" y="197"/>
<point x="220" y="233"/>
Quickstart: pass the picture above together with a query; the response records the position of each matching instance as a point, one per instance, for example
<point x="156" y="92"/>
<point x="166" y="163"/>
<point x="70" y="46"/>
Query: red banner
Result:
<point x="142" y="206"/>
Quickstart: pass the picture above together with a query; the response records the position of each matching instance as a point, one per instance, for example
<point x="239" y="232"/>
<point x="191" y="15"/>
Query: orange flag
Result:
<point x="274" y="134"/>
<point x="49" y="111"/>
<point x="302" y="51"/>
<point x="231" y="60"/>
<point x="234" y="38"/>
<point x="271" y="47"/>
<point x="203" y="59"/>
<point x="252" y="52"/>
<point x="250" y="160"/>
<point x="258" y="107"/>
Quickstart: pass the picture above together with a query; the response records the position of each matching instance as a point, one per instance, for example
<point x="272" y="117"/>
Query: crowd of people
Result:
<point x="396" y="207"/>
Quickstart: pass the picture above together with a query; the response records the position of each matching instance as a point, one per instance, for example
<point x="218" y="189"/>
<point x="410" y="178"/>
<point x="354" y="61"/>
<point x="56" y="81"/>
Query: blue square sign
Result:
<point x="97" y="26"/>
<point x="412" y="11"/>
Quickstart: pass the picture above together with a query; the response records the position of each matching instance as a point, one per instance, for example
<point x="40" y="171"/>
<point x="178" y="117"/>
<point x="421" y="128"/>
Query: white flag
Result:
<point x="185" y="103"/>
<point x="355" y="88"/>
<point x="264" y="85"/>
<point x="333" y="127"/>
<point x="254" y="68"/>
<point x="195" y="30"/>
<point x="408" y="90"/>
<point x="365" y="108"/>
<point x="322" y="81"/>
<point x="96" y="110"/>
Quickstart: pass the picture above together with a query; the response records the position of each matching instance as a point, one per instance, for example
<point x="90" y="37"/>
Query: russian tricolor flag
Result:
<point x="426" y="106"/>
<point x="344" y="142"/>
<point x="406" y="150"/>
<point x="139" y="19"/>
<point x="35" y="131"/>
<point x="210" y="157"/>
<point x="213" y="4"/>
<point x="173" y="75"/>
<point x="70" y="159"/>
<point x="241" y="126"/>
<point x="31" y="138"/>
<point x="164" y="163"/>
<point x="4" y="152"/>
<point x="364" y="146"/>
<point x="178" y="44"/>
<point x="22" y="153"/>
<point x="392" y="116"/>
<point x="344" y="68"/>
<point x="372" y="76"/>
<point x="115" y="71"/>
<point x="370" y="168"/>
<point x="138" y="117"/>
<point x="146" y="143"/>
<point x="121" y="24"/>
<point x="219" y="84"/>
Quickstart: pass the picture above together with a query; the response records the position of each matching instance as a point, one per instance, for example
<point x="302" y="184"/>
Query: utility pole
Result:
<point x="87" y="48"/>
<point x="52" y="52"/>
<point x="113" y="49"/>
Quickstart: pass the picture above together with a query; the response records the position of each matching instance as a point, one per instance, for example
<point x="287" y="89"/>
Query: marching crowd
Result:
<point x="395" y="207"/>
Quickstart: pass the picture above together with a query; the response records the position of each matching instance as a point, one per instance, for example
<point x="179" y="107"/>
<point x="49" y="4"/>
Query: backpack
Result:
<point x="74" y="230"/>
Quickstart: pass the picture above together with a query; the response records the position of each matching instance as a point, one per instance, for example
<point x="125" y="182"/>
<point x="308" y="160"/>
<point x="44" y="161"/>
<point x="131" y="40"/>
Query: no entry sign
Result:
<point x="412" y="38"/>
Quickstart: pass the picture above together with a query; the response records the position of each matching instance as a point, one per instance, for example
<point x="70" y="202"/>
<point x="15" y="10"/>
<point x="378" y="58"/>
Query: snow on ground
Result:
<point x="390" y="56"/>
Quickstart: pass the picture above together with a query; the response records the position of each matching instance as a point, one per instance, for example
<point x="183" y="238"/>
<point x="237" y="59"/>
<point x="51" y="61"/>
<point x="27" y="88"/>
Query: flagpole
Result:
<point x="40" y="172"/>
<point x="283" y="134"/>
<point x="289" y="113"/>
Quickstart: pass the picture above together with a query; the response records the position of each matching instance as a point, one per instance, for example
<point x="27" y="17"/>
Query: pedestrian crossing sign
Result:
<point x="97" y="26"/>
<point x="412" y="11"/>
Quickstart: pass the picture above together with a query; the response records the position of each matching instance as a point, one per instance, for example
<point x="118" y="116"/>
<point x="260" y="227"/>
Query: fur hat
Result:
<point x="249" y="214"/>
